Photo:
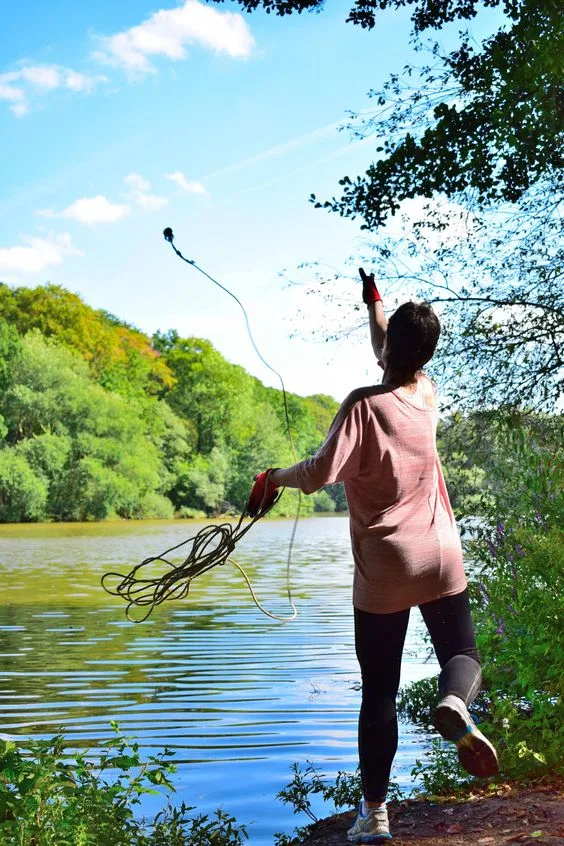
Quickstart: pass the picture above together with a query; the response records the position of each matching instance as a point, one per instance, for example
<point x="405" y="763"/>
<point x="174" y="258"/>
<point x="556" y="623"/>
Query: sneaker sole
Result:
<point x="475" y="753"/>
<point x="370" y="838"/>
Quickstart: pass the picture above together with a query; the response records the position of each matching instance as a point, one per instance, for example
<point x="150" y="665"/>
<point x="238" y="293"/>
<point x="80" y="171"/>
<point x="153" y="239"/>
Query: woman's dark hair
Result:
<point x="411" y="339"/>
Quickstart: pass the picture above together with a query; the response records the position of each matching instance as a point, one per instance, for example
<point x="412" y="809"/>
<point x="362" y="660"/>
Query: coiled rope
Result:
<point x="211" y="546"/>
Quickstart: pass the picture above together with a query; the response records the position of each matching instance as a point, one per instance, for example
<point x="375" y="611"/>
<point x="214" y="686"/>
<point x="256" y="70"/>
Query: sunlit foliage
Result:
<point x="99" y="421"/>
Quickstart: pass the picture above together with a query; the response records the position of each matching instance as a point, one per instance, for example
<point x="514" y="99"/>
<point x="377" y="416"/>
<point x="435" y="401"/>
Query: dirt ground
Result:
<point x="513" y="814"/>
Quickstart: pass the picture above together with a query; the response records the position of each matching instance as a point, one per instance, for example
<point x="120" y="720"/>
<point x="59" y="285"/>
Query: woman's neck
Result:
<point x="395" y="381"/>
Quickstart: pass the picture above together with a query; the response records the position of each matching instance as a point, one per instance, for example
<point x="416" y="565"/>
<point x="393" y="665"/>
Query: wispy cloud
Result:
<point x="137" y="182"/>
<point x="279" y="149"/>
<point x="190" y="186"/>
<point x="21" y="87"/>
<point x="140" y="193"/>
<point x="91" y="210"/>
<point x="37" y="254"/>
<point x="283" y="175"/>
<point x="168" y="32"/>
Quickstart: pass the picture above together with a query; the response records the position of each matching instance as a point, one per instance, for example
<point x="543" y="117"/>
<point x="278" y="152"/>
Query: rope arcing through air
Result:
<point x="212" y="545"/>
<point x="170" y="238"/>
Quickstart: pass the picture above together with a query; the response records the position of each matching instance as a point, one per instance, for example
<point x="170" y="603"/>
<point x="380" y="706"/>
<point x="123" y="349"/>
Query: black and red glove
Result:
<point x="263" y="493"/>
<point x="370" y="293"/>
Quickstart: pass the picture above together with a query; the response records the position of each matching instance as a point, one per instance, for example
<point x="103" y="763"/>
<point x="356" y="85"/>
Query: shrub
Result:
<point x="323" y="502"/>
<point x="187" y="513"/>
<point x="154" y="506"/>
<point x="23" y="493"/>
<point x="47" y="798"/>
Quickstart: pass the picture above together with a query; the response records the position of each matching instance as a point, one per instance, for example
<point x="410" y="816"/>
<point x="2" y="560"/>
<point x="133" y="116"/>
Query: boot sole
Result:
<point x="475" y="753"/>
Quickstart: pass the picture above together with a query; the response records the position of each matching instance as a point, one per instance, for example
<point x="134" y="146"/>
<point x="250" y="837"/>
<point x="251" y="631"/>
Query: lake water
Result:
<point x="237" y="695"/>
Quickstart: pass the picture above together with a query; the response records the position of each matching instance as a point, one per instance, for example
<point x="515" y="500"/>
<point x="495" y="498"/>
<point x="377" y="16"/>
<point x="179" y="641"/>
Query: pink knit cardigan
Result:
<point x="405" y="543"/>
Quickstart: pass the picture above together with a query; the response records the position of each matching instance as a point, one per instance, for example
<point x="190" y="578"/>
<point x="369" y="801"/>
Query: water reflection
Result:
<point x="237" y="695"/>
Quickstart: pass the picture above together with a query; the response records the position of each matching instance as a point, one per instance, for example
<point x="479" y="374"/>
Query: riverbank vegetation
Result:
<point x="47" y="798"/>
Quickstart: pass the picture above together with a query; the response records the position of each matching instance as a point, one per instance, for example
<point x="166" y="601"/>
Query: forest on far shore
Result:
<point x="99" y="421"/>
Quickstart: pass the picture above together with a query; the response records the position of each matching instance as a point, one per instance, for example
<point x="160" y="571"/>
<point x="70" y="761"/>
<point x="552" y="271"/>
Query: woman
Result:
<point x="405" y="544"/>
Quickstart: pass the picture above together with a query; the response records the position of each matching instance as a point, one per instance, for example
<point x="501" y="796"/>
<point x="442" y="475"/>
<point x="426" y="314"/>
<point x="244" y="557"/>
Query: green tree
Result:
<point x="120" y="357"/>
<point x="337" y="494"/>
<point x="323" y="501"/>
<point x="266" y="446"/>
<point x="175" y="440"/>
<point x="213" y="394"/>
<point x="23" y="493"/>
<point x="204" y="481"/>
<point x="88" y="446"/>
<point x="10" y="346"/>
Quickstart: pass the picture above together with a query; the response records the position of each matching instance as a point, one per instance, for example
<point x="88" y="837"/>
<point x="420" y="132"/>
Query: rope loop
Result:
<point x="145" y="587"/>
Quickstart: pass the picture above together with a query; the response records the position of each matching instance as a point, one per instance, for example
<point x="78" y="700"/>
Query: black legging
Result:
<point x="379" y="640"/>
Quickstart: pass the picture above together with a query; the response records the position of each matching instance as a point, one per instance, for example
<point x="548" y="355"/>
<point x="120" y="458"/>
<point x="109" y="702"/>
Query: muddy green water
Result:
<point x="237" y="695"/>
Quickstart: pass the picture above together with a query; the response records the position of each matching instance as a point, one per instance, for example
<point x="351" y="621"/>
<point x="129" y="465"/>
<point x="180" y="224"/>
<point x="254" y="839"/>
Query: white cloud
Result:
<point x="140" y="195"/>
<point x="20" y="109"/>
<point x="9" y="92"/>
<point x="29" y="81"/>
<point x="47" y="77"/>
<point x="168" y="31"/>
<point x="14" y="95"/>
<point x="138" y="182"/>
<point x="38" y="254"/>
<point x="82" y="82"/>
<point x="150" y="202"/>
<point x="91" y="210"/>
<point x="191" y="186"/>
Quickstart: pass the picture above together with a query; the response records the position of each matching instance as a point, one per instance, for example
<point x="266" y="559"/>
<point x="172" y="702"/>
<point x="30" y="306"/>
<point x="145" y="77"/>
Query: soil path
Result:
<point x="513" y="815"/>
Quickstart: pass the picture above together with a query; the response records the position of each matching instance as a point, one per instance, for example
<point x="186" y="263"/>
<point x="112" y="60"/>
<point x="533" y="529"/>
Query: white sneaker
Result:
<point x="475" y="752"/>
<point x="370" y="827"/>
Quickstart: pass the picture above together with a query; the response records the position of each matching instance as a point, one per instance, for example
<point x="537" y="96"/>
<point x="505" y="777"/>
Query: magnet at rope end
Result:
<point x="168" y="234"/>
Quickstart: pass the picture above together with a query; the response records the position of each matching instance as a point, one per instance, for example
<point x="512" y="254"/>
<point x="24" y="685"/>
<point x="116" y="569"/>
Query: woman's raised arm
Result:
<point x="376" y="317"/>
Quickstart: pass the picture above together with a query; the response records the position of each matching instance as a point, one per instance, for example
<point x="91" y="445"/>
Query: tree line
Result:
<point x="98" y="420"/>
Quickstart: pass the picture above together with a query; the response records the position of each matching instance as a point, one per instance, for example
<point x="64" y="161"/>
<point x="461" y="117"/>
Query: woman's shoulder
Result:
<point x="426" y="379"/>
<point x="366" y="401"/>
<point x="429" y="388"/>
<point x="367" y="393"/>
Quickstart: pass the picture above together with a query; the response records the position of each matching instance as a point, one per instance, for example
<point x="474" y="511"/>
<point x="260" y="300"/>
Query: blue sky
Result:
<point x="118" y="119"/>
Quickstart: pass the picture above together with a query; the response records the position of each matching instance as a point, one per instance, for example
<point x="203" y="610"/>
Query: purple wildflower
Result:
<point x="492" y="549"/>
